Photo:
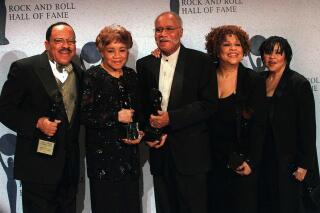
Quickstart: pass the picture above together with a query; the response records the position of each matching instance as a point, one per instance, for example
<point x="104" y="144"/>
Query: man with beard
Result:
<point x="180" y="159"/>
<point x="39" y="101"/>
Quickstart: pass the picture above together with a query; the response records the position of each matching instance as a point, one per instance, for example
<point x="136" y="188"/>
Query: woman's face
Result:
<point x="275" y="61"/>
<point x="231" y="51"/>
<point x="115" y="56"/>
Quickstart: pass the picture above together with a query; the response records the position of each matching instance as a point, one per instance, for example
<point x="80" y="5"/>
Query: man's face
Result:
<point x="61" y="46"/>
<point x="168" y="33"/>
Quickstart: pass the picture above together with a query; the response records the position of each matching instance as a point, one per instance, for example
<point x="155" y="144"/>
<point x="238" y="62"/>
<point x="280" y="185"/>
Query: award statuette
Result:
<point x="151" y="133"/>
<point x="46" y="144"/>
<point x="131" y="130"/>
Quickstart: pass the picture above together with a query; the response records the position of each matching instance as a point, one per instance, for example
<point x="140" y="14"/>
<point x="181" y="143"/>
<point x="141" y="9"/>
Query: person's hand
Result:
<point x="244" y="169"/>
<point x="47" y="127"/>
<point x="125" y="115"/>
<point x="136" y="141"/>
<point x="300" y="174"/>
<point x="156" y="53"/>
<point x="159" y="121"/>
<point x="157" y="144"/>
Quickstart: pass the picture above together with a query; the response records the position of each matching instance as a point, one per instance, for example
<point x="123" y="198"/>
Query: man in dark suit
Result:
<point x="47" y="153"/>
<point x="180" y="159"/>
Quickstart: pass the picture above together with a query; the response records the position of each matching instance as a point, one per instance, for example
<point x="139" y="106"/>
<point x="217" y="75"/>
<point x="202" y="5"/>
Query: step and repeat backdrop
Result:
<point x="23" y="24"/>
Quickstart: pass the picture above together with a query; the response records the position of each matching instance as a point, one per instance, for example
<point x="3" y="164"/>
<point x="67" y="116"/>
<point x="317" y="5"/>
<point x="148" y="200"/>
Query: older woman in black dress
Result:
<point x="238" y="124"/>
<point x="290" y="148"/>
<point x="112" y="159"/>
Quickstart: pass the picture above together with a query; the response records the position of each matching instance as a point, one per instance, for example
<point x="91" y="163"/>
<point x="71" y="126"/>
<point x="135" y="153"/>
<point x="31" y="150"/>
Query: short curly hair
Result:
<point x="217" y="36"/>
<point x="113" y="33"/>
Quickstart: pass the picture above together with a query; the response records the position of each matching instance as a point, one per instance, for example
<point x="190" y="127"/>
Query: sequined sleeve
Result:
<point x="95" y="109"/>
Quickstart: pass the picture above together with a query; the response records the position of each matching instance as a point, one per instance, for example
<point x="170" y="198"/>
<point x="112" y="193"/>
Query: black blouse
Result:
<point x="225" y="126"/>
<point x="107" y="156"/>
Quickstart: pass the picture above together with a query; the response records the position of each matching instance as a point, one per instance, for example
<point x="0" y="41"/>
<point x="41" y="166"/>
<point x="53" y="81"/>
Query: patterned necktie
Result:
<point x="68" y="68"/>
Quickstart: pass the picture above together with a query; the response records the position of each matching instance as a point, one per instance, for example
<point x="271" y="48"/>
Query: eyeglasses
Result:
<point x="60" y="41"/>
<point x="167" y="29"/>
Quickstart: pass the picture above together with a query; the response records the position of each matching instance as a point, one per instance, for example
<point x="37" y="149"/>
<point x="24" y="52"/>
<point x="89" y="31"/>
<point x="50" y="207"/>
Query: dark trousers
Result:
<point x="178" y="193"/>
<point x="114" y="197"/>
<point x="45" y="198"/>
<point x="53" y="198"/>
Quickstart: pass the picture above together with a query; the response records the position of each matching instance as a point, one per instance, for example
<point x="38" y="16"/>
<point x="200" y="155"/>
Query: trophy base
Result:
<point x="152" y="134"/>
<point x="130" y="131"/>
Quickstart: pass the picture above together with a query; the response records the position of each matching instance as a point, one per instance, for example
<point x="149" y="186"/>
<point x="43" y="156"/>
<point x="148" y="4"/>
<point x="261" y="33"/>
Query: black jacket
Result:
<point x="23" y="101"/>
<point x="192" y="101"/>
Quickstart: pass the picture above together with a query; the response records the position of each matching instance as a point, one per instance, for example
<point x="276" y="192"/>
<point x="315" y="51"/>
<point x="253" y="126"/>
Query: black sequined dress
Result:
<point x="108" y="158"/>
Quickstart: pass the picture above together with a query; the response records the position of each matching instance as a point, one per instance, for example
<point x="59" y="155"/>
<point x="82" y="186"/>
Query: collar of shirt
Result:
<point x="61" y="76"/>
<point x="171" y="59"/>
<point x="167" y="69"/>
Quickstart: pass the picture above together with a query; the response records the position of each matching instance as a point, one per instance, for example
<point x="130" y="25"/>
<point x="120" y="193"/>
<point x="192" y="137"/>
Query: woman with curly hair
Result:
<point x="110" y="104"/>
<point x="237" y="127"/>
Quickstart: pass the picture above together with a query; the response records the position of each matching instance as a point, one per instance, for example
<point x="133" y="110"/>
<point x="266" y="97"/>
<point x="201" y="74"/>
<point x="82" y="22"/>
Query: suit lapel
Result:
<point x="280" y="90"/>
<point x="156" y="63"/>
<point x="241" y="90"/>
<point x="46" y="76"/>
<point x="177" y="83"/>
<point x="78" y="77"/>
<point x="44" y="72"/>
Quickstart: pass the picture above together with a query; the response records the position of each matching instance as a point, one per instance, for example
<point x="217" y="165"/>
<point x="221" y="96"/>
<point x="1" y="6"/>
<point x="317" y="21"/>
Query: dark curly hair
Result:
<point x="113" y="33"/>
<point x="217" y="36"/>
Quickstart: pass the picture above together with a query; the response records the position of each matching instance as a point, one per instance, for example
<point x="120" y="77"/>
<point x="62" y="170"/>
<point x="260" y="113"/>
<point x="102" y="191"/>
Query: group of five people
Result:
<point x="232" y="140"/>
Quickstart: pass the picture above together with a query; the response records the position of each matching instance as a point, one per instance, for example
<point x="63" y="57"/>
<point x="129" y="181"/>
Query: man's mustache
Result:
<point x="63" y="50"/>
<point x="164" y="39"/>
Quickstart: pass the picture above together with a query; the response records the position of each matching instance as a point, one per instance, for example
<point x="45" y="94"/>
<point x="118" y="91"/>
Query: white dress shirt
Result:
<point x="167" y="68"/>
<point x="61" y="76"/>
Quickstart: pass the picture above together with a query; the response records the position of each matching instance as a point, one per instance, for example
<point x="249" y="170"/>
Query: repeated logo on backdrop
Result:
<point x="175" y="6"/>
<point x="3" y="16"/>
<point x="7" y="147"/>
<point x="254" y="54"/>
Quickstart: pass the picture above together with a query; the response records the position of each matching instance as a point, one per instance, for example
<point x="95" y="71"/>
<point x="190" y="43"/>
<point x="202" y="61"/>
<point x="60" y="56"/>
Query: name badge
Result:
<point x="45" y="147"/>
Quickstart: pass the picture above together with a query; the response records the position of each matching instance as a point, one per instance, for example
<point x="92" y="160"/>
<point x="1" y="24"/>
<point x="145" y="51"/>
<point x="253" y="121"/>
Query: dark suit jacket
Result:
<point x="23" y="101"/>
<point x="293" y="120"/>
<point x="192" y="100"/>
<point x="293" y="125"/>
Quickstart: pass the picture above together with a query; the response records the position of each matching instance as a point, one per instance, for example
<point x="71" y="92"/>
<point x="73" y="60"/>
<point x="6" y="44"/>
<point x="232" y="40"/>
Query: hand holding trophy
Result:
<point x="130" y="130"/>
<point x="152" y="133"/>
<point x="46" y="143"/>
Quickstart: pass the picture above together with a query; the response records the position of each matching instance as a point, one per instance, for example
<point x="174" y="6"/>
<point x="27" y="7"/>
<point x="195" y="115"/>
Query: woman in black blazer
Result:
<point x="237" y="127"/>
<point x="289" y="154"/>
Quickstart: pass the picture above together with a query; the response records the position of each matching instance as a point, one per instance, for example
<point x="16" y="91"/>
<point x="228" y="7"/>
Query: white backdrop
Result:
<point x="27" y="21"/>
